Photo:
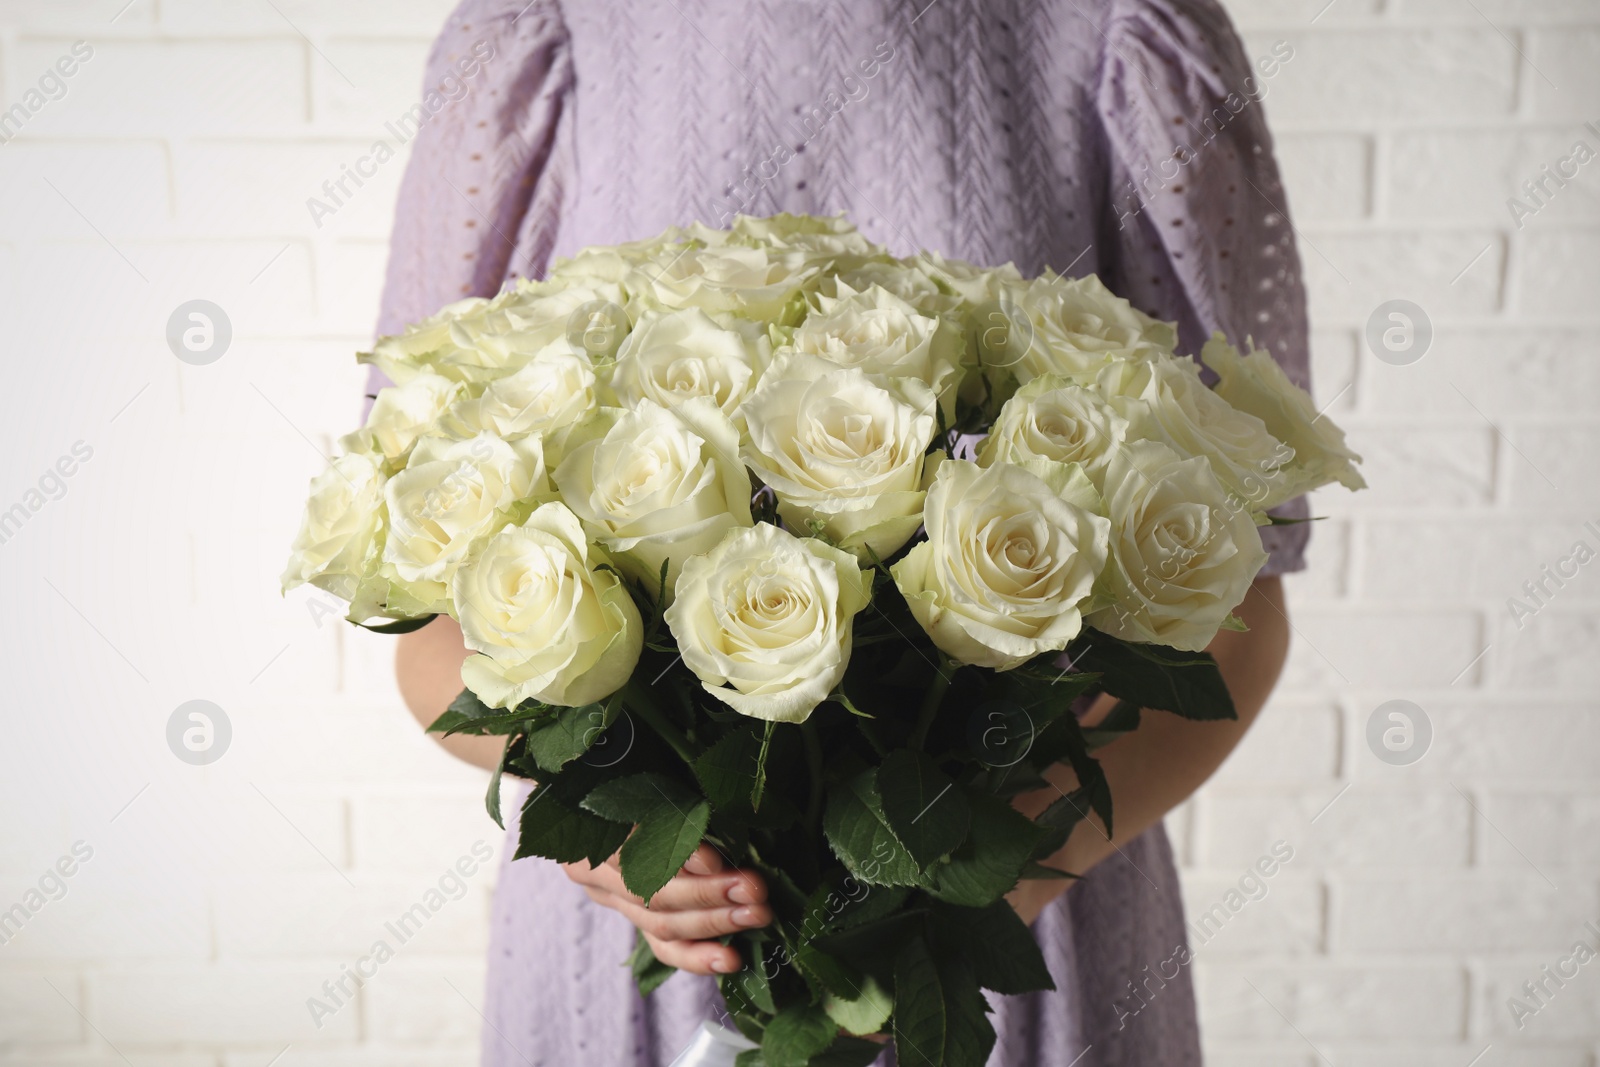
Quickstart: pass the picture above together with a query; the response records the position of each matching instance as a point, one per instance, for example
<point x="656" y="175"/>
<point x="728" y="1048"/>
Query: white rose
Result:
<point x="832" y="237"/>
<point x="1071" y="327"/>
<point x="553" y="392"/>
<point x="1055" y="419"/>
<point x="1182" y="557"/>
<point x="1257" y="385"/>
<point x="764" y="284"/>
<point x="450" y="496"/>
<point x="670" y="357"/>
<point x="974" y="284"/>
<point x="842" y="450"/>
<point x="764" y="620"/>
<point x="656" y="484"/>
<point x="613" y="263"/>
<point x="337" y="544"/>
<point x="1165" y="400"/>
<point x="549" y="623"/>
<point x="1011" y="559"/>
<point x="402" y="413"/>
<point x="909" y="284"/>
<point x="879" y="333"/>
<point x="480" y="340"/>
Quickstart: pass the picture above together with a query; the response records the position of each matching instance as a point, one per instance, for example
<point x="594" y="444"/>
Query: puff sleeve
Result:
<point x="482" y="192"/>
<point x="1198" y="230"/>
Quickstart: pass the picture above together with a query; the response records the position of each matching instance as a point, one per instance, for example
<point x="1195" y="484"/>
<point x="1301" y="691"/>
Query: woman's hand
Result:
<point x="704" y="901"/>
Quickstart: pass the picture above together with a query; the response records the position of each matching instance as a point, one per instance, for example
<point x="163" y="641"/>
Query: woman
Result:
<point x="1119" y="137"/>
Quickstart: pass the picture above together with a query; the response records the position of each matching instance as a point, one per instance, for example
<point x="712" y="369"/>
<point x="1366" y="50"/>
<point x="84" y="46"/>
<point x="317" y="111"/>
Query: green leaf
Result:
<point x="799" y="1032"/>
<point x="924" y="810"/>
<point x="865" y="1013"/>
<point x="564" y="736"/>
<point x="661" y="843"/>
<point x="553" y="828"/>
<point x="1154" y="676"/>
<point x="940" y="1016"/>
<point x="996" y="944"/>
<point x="402" y="626"/>
<point x="750" y="1058"/>
<point x="491" y="799"/>
<point x="860" y="836"/>
<point x="748" y="991"/>
<point x="638" y="796"/>
<point x="648" y="972"/>
<point x="989" y="863"/>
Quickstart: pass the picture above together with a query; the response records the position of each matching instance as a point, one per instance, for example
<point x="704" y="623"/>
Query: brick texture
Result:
<point x="1420" y="899"/>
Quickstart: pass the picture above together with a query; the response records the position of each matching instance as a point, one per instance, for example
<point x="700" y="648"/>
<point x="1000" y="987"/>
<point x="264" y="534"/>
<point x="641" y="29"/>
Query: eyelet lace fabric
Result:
<point x="1117" y="137"/>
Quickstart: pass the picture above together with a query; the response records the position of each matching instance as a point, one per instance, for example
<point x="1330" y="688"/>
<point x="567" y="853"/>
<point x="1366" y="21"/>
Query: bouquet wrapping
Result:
<point x="766" y="538"/>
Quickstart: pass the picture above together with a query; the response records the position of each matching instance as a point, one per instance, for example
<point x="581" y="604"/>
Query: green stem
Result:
<point x="643" y="703"/>
<point x="808" y="731"/>
<point x="930" y="704"/>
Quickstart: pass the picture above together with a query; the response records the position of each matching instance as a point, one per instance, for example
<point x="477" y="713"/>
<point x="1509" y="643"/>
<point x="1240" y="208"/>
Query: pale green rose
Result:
<point x="834" y="237"/>
<point x="1055" y="419"/>
<point x="337" y="545"/>
<point x="1010" y="562"/>
<point x="842" y="450"/>
<point x="402" y="413"/>
<point x="1256" y="384"/>
<point x="1182" y="556"/>
<point x="1070" y="327"/>
<point x="764" y="620"/>
<point x="548" y="621"/>
<point x="612" y="264"/>
<point x="764" y="284"/>
<point x="552" y="393"/>
<point x="479" y="340"/>
<point x="656" y="484"/>
<point x="1166" y="400"/>
<point x="909" y="284"/>
<point x="880" y="334"/>
<point x="451" y="496"/>
<point x="673" y="356"/>
<point x="974" y="284"/>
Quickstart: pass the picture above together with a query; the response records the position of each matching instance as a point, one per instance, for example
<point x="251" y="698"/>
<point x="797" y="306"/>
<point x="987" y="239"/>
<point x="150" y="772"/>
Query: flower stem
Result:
<point x="808" y="731"/>
<point x="945" y="674"/>
<point x="643" y="703"/>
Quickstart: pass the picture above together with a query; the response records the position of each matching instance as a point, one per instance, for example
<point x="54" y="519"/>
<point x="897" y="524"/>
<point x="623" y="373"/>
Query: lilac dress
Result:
<point x="1119" y="137"/>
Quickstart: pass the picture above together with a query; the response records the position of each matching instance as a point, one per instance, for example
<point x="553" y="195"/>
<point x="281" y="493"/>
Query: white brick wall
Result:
<point x="219" y="898"/>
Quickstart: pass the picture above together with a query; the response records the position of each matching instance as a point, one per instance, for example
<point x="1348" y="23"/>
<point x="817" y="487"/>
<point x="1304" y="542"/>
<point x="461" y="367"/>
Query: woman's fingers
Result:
<point x="706" y="860"/>
<point x="696" y="957"/>
<point x="696" y="925"/>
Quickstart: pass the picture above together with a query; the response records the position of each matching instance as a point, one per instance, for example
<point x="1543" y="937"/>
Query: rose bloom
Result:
<point x="400" y="414"/>
<point x="764" y="620"/>
<point x="451" y="495"/>
<point x="1053" y="418"/>
<point x="548" y="621"/>
<point x="1255" y="384"/>
<point x="1182" y="557"/>
<point x="672" y="356"/>
<point x="1070" y="327"/>
<point x="478" y="340"/>
<point x="551" y="394"/>
<point x="656" y="484"/>
<point x="842" y="450"/>
<point x="1011" y="558"/>
<point x="878" y="333"/>
<point x="763" y="284"/>
<point x="336" y="545"/>
<point x="1165" y="400"/>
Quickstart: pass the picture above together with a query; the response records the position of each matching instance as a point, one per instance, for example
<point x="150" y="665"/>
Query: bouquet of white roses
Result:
<point x="707" y="509"/>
